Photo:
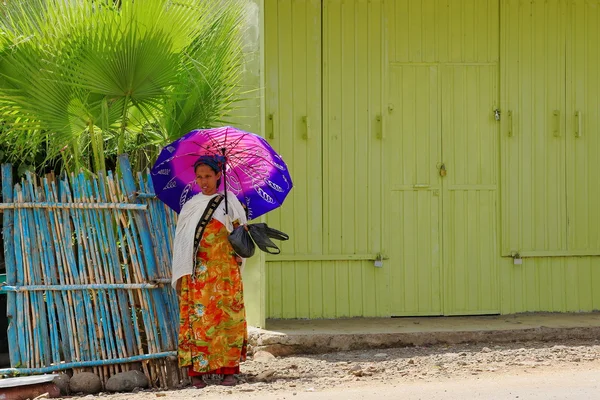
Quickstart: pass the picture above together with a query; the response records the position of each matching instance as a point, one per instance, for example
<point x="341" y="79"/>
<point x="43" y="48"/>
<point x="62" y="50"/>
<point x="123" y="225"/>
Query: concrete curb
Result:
<point x="281" y="344"/>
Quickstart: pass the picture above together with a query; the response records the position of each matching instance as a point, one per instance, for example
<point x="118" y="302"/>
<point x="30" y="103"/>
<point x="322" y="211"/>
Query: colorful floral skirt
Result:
<point x="212" y="327"/>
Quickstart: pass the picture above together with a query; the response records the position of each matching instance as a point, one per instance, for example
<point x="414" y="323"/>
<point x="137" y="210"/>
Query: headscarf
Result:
<point x="215" y="162"/>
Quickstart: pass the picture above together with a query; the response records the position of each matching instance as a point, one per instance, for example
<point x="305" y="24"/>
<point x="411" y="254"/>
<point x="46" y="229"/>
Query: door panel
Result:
<point x="470" y="143"/>
<point x="432" y="31"/>
<point x="533" y="126"/>
<point x="413" y="147"/>
<point x="583" y="119"/>
<point x="293" y="108"/>
<point x="352" y="86"/>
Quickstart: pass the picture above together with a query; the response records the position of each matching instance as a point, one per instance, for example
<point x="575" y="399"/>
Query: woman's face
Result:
<point x="207" y="179"/>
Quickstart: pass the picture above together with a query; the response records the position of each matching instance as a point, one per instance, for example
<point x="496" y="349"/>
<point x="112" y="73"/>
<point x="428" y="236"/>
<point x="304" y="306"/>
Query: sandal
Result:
<point x="229" y="380"/>
<point x="198" y="383"/>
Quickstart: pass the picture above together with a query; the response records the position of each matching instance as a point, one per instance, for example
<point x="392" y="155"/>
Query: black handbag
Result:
<point x="242" y="242"/>
<point x="261" y="234"/>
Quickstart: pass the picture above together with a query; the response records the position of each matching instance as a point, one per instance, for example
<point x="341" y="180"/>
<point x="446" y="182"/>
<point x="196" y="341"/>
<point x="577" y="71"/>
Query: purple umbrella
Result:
<point x="253" y="171"/>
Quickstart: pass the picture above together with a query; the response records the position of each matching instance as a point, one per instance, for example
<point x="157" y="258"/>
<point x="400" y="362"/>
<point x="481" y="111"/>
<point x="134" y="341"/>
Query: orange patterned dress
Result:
<point x="212" y="327"/>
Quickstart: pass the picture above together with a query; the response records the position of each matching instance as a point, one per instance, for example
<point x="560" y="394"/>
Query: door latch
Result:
<point x="497" y="114"/>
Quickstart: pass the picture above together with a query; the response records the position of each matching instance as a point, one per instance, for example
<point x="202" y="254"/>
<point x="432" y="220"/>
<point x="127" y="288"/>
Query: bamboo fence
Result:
<point x="88" y="275"/>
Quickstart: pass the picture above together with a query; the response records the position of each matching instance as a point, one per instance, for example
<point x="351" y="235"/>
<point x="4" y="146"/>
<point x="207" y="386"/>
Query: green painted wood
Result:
<point x="582" y="121"/>
<point x="334" y="214"/>
<point x="352" y="126"/>
<point x="293" y="126"/>
<point x="325" y="290"/>
<point x="407" y="85"/>
<point x="533" y="140"/>
<point x="448" y="31"/>
<point x="413" y="149"/>
<point x="564" y="284"/>
<point x="250" y="115"/>
<point x="443" y="88"/>
<point x="470" y="154"/>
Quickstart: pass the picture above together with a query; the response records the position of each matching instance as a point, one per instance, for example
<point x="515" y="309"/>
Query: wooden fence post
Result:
<point x="9" y="257"/>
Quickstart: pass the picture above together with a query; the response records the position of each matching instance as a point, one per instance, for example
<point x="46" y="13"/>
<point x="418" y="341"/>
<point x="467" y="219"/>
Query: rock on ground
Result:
<point x="85" y="382"/>
<point x="127" y="381"/>
<point x="263" y="356"/>
<point x="62" y="381"/>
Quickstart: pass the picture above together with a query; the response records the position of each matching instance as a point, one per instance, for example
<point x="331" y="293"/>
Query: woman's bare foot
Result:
<point x="228" y="380"/>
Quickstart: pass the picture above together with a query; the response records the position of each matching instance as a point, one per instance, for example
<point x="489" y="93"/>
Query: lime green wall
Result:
<point x="369" y="100"/>
<point x="249" y="116"/>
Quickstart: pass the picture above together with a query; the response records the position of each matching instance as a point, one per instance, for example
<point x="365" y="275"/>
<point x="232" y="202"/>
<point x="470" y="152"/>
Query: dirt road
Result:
<point x="360" y="373"/>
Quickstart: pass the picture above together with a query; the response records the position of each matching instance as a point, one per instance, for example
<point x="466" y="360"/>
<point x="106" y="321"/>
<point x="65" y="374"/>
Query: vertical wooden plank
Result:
<point x="314" y="113"/>
<point x="319" y="292"/>
<point x="330" y="294"/>
<point x="275" y="300"/>
<point x="302" y="290"/>
<point x="573" y="296"/>
<point x="378" y="106"/>
<point x="361" y="289"/>
<point x="333" y="87"/>
<point x="352" y="63"/>
<point x="11" y="264"/>
<point x="581" y="272"/>
<point x="342" y="290"/>
<point x="288" y="290"/>
<point x="595" y="279"/>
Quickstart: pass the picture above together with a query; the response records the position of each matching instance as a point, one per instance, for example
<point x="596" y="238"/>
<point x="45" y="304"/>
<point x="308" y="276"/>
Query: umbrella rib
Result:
<point x="242" y="158"/>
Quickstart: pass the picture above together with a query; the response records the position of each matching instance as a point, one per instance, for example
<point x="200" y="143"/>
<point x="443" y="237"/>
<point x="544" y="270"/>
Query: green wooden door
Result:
<point x="413" y="149"/>
<point x="443" y="88"/>
<point x="534" y="221"/>
<point x="470" y="156"/>
<point x="293" y="126"/>
<point x="583" y="118"/>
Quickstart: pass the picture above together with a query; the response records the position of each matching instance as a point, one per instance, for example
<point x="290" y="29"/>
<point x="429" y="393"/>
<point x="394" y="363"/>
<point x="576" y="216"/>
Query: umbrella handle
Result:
<point x="225" y="180"/>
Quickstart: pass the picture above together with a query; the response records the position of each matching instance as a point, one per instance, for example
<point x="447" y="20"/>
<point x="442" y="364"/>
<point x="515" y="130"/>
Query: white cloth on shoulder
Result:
<point x="191" y="212"/>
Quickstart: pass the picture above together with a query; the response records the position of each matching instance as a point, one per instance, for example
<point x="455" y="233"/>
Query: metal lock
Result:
<point x="443" y="170"/>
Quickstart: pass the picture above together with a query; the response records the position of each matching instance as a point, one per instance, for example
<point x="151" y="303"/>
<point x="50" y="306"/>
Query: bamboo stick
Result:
<point x="90" y="274"/>
<point x="11" y="273"/>
<point x="125" y="238"/>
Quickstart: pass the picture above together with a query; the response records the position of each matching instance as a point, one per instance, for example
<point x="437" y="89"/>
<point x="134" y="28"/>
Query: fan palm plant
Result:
<point x="87" y="78"/>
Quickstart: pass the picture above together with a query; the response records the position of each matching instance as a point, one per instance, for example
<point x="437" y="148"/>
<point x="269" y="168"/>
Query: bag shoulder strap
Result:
<point x="206" y="217"/>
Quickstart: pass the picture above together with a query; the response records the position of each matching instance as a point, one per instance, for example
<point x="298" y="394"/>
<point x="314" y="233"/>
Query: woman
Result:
<point x="207" y="277"/>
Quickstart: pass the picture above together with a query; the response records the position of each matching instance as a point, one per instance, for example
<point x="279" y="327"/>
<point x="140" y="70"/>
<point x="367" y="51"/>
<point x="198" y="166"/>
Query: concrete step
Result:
<point x="287" y="337"/>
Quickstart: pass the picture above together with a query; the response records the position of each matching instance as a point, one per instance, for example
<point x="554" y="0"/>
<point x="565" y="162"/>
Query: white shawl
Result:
<point x="191" y="212"/>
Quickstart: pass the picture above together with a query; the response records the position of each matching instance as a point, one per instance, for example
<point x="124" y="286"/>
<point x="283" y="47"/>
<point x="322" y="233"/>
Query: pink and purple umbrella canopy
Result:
<point x="254" y="172"/>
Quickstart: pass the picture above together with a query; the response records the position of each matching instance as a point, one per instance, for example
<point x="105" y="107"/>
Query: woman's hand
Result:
<point x="239" y="260"/>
